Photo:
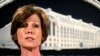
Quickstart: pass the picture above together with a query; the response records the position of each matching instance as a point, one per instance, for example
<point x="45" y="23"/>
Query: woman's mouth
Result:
<point x="29" y="38"/>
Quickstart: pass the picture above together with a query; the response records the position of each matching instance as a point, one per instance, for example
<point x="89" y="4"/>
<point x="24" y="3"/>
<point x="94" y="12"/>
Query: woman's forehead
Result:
<point x="33" y="17"/>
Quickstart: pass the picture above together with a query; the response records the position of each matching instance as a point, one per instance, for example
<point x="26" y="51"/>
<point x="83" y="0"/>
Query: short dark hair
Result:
<point x="22" y="13"/>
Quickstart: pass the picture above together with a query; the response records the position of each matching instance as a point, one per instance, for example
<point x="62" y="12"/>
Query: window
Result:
<point x="57" y="30"/>
<point x="53" y="28"/>
<point x="50" y="29"/>
<point x="65" y="45"/>
<point x="62" y="44"/>
<point x="81" y="44"/>
<point x="50" y="39"/>
<point x="51" y="17"/>
<point x="55" y="45"/>
<point x="61" y="31"/>
<point x="64" y="32"/>
<point x="50" y="44"/>
<point x="45" y="44"/>
<point x="67" y="32"/>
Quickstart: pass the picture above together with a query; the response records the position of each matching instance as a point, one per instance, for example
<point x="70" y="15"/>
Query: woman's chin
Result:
<point x="30" y="46"/>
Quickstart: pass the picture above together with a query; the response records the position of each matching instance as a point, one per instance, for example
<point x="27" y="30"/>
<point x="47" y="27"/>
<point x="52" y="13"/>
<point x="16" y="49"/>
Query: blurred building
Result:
<point x="68" y="33"/>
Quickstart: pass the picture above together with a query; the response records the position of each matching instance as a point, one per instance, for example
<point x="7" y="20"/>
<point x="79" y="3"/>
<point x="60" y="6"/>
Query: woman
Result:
<point x="29" y="29"/>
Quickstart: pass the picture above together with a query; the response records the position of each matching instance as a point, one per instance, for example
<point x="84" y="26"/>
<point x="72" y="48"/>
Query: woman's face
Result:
<point x="30" y="33"/>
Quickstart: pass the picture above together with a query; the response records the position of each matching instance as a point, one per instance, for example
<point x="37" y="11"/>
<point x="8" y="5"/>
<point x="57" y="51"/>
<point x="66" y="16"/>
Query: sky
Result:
<point x="77" y="8"/>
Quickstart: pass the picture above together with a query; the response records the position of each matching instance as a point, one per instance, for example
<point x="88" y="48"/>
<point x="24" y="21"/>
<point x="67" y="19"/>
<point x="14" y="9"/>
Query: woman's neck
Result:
<point x="30" y="52"/>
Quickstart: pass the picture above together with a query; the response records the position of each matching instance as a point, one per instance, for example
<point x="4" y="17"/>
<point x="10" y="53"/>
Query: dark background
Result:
<point x="77" y="8"/>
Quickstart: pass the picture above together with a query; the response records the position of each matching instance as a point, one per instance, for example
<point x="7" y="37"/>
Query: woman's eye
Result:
<point x="23" y="25"/>
<point x="36" y="25"/>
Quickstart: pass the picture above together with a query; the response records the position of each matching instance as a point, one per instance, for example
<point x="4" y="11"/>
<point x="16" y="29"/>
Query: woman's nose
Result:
<point x="30" y="30"/>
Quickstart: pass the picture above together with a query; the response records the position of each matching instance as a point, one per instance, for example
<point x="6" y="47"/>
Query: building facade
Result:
<point x="68" y="33"/>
